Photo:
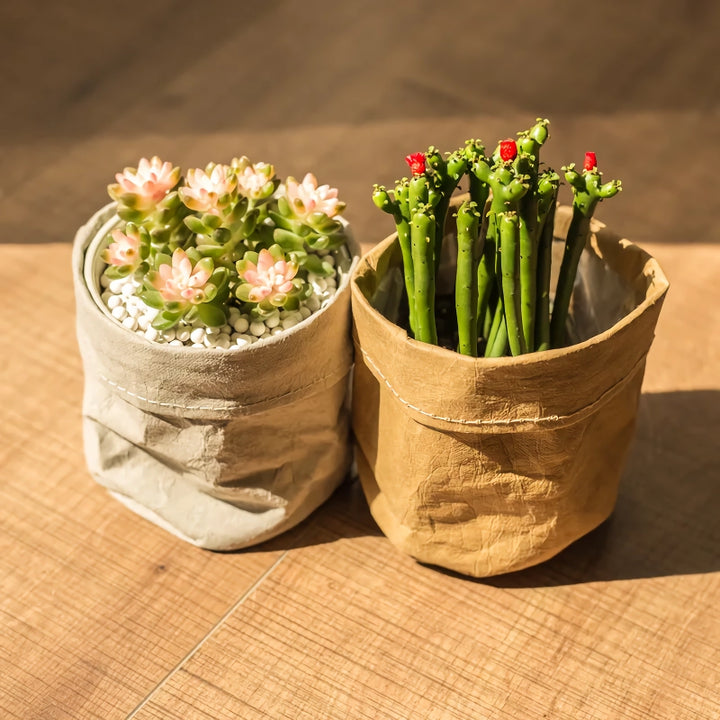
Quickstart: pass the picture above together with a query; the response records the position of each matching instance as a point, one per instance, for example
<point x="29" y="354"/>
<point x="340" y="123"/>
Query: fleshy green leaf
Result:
<point x="287" y="240"/>
<point x="166" y="319"/>
<point x="152" y="298"/>
<point x="242" y="292"/>
<point x="211" y="315"/>
<point x="196" y="225"/>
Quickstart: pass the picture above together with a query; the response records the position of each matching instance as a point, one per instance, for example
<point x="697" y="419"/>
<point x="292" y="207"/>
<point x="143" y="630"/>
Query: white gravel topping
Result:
<point x="242" y="329"/>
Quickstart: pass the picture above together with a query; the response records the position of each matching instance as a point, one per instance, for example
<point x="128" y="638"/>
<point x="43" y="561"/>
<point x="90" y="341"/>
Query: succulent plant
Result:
<point x="504" y="233"/>
<point x="223" y="236"/>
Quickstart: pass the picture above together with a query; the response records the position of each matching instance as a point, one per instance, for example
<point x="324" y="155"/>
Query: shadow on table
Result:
<point x="667" y="518"/>
<point x="345" y="515"/>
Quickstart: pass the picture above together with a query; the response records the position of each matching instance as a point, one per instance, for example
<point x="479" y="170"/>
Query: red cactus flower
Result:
<point x="590" y="161"/>
<point x="508" y="150"/>
<point x="416" y="161"/>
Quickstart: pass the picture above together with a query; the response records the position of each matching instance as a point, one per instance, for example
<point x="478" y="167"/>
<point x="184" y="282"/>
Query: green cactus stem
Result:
<point x="508" y="187"/>
<point x="445" y="176"/>
<point x="489" y="312"/>
<point x="509" y="232"/>
<point x="587" y="192"/>
<point x="398" y="208"/>
<point x="527" y="225"/>
<point x="466" y="290"/>
<point x="422" y="236"/>
<point x="547" y="198"/>
<point x="500" y="342"/>
<point x="528" y="160"/>
<point x="486" y="280"/>
<point x="497" y="343"/>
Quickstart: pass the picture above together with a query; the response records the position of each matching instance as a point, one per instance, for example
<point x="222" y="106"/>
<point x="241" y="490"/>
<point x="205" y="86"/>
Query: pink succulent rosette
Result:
<point x="269" y="279"/>
<point x="145" y="186"/>
<point x="181" y="282"/>
<point x="306" y="198"/>
<point x="124" y="251"/>
<point x="204" y="190"/>
<point x="254" y="181"/>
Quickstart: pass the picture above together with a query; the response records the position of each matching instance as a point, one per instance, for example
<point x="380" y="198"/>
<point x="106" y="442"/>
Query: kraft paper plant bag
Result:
<point x="225" y="449"/>
<point x="486" y="466"/>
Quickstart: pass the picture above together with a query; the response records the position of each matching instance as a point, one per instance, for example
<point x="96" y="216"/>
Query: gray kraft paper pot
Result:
<point x="489" y="465"/>
<point x="224" y="449"/>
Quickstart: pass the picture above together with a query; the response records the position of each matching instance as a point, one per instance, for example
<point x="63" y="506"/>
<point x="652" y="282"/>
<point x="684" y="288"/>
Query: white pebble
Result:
<point x="128" y="289"/>
<point x="114" y="301"/>
<point x="119" y="312"/>
<point x="151" y="313"/>
<point x="151" y="334"/>
<point x="305" y="311"/>
<point x="116" y="286"/>
<point x="242" y="340"/>
<point x="175" y="342"/>
<point x="106" y="296"/>
<point x="223" y="341"/>
<point x="331" y="282"/>
<point x="143" y="322"/>
<point x="257" y="327"/>
<point x="182" y="333"/>
<point x="104" y="281"/>
<point x="319" y="285"/>
<point x="198" y="335"/>
<point x="313" y="302"/>
<point x="129" y="322"/>
<point x="132" y="310"/>
<point x="227" y="329"/>
<point x="212" y="331"/>
<point x="289" y="322"/>
<point x="273" y="321"/>
<point x="241" y="324"/>
<point x="277" y="331"/>
<point x="233" y="314"/>
<point x="169" y="334"/>
<point x="198" y="345"/>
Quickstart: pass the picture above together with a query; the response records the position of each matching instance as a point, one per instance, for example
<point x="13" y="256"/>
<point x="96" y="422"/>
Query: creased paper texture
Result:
<point x="223" y="448"/>
<point x="485" y="466"/>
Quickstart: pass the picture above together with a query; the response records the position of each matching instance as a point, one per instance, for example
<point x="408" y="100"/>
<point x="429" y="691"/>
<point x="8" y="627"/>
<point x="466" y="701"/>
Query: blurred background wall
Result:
<point x="347" y="89"/>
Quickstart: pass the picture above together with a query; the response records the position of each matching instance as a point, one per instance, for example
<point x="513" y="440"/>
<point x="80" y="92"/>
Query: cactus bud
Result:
<point x="508" y="150"/>
<point x="416" y="161"/>
<point x="590" y="161"/>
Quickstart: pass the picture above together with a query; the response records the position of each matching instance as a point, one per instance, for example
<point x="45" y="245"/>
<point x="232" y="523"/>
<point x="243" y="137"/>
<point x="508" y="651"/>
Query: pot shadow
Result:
<point x="344" y="515"/>
<point x="666" y="518"/>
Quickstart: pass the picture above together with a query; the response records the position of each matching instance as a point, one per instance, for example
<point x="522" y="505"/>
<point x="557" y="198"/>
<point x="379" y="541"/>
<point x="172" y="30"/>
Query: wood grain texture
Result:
<point x="348" y="628"/>
<point x="97" y="605"/>
<point x="104" y="616"/>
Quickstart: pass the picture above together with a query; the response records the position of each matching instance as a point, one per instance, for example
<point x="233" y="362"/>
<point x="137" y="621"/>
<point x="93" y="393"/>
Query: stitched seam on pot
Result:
<point x="229" y="408"/>
<point x="512" y="421"/>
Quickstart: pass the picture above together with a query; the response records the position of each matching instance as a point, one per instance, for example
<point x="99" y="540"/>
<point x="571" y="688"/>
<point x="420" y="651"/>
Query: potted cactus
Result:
<point x="213" y="322"/>
<point x="500" y="345"/>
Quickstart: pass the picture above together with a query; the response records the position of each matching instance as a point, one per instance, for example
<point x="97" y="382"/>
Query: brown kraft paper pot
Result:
<point x="224" y="449"/>
<point x="485" y="466"/>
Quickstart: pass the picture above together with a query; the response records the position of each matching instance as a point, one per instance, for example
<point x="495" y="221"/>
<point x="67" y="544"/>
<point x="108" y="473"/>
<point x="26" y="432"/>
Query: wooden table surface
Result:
<point x="103" y="615"/>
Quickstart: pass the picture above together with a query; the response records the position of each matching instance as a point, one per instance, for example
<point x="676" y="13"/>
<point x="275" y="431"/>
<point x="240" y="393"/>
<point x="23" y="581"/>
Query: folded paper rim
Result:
<point x="535" y="373"/>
